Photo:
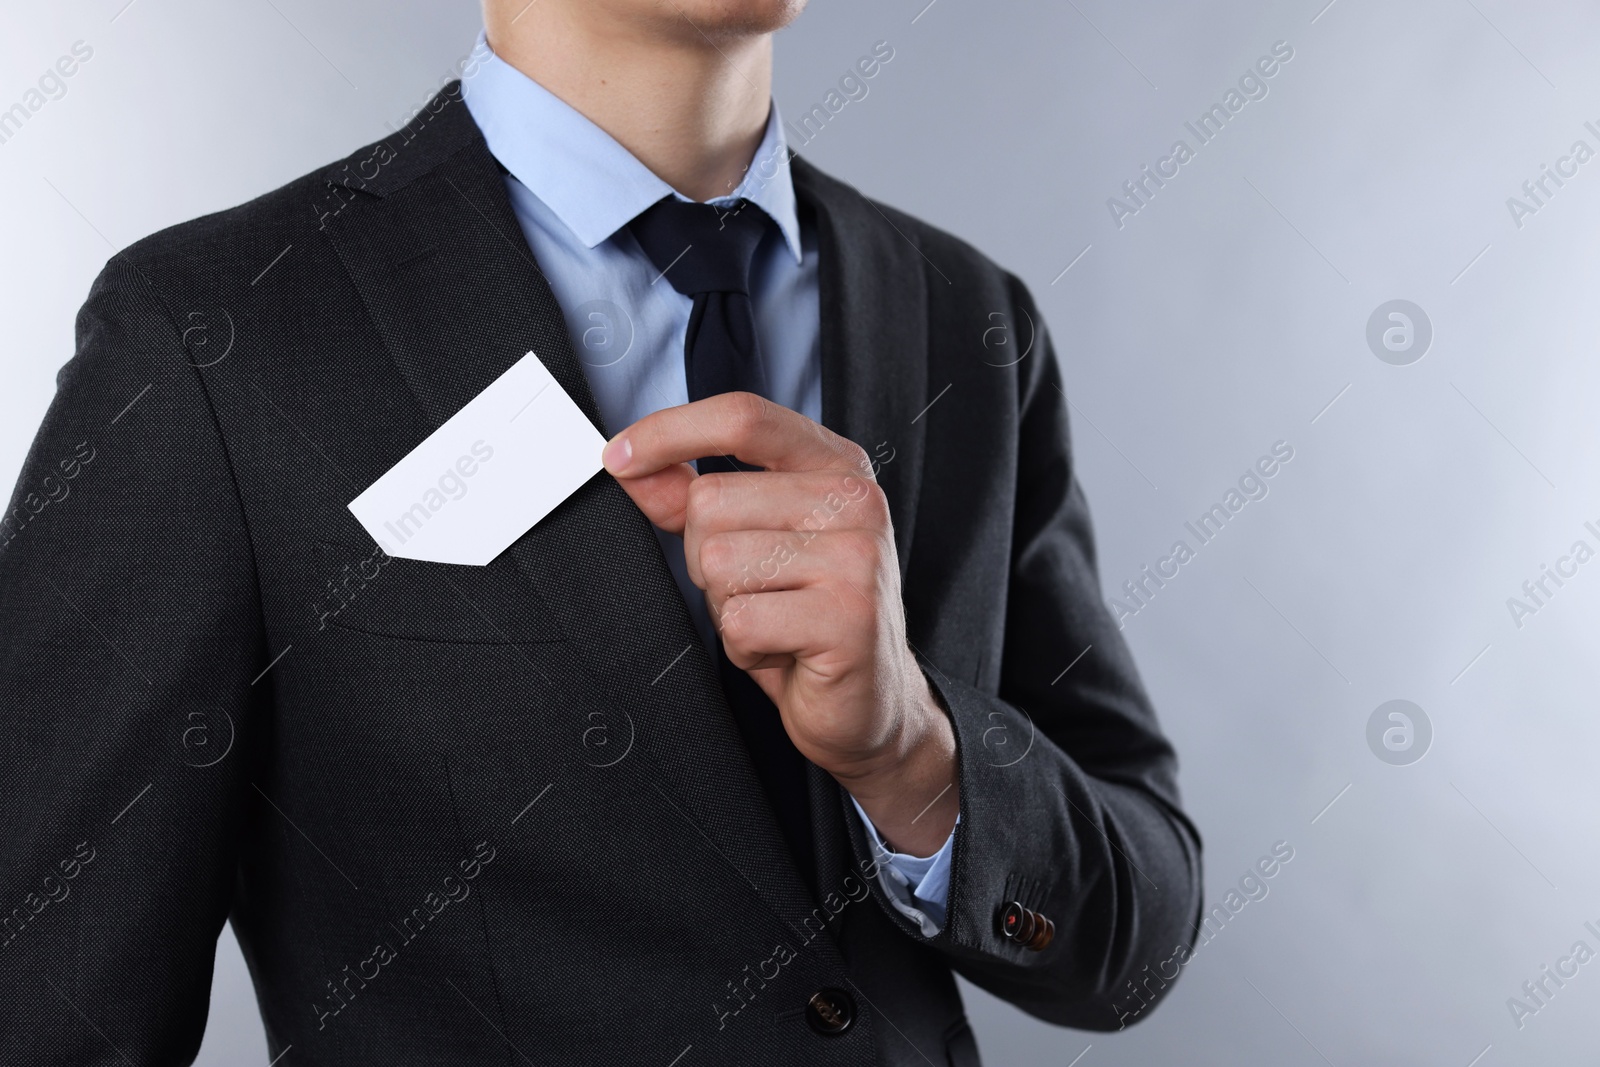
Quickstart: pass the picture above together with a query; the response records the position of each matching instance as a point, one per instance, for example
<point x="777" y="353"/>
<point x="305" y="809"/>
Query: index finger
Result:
<point x="748" y="427"/>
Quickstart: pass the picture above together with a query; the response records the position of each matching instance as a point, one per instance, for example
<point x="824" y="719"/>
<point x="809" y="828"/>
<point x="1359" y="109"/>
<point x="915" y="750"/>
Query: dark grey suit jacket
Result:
<point x="500" y="814"/>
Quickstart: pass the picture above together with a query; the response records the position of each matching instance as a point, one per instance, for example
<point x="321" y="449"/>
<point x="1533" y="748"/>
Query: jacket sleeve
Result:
<point x="132" y="631"/>
<point x="1069" y="802"/>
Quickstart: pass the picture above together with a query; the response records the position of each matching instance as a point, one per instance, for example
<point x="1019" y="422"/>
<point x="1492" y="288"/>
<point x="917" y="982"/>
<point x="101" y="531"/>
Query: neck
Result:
<point x="691" y="110"/>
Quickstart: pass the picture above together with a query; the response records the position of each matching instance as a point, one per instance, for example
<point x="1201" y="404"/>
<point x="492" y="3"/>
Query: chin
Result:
<point x="731" y="18"/>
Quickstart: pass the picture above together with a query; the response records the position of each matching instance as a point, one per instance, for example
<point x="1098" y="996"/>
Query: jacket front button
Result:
<point x="830" y="1012"/>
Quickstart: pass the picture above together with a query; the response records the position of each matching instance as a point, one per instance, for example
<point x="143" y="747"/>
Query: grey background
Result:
<point x="1225" y="316"/>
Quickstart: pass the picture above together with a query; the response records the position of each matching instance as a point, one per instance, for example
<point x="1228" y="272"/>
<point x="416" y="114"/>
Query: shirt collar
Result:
<point x="593" y="184"/>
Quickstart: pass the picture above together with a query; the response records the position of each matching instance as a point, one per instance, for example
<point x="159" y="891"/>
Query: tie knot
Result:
<point x="701" y="248"/>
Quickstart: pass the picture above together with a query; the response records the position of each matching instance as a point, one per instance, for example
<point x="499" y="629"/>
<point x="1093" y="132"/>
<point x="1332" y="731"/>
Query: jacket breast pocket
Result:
<point x="368" y="591"/>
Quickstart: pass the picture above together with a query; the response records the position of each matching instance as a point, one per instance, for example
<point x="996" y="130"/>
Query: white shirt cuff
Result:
<point x="917" y="886"/>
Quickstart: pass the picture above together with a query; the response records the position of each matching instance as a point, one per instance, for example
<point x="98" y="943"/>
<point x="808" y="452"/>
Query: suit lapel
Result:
<point x="874" y="337"/>
<point x="874" y="389"/>
<point x="449" y="281"/>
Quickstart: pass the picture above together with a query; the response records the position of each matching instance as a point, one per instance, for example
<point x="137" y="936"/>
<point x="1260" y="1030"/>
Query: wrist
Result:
<point x="910" y="791"/>
<point x="911" y="723"/>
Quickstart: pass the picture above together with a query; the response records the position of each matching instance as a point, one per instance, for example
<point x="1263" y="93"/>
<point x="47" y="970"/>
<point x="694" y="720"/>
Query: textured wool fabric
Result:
<point x="502" y="815"/>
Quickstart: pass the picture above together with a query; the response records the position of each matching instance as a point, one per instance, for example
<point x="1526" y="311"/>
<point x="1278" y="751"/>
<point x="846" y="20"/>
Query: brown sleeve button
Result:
<point x="1011" y="920"/>
<point x="1026" y="927"/>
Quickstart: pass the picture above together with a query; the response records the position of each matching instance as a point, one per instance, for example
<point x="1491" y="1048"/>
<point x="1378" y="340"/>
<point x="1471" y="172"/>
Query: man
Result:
<point x="808" y="700"/>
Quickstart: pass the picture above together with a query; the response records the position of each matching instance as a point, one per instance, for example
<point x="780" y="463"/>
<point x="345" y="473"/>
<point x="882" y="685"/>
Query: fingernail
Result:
<point x="617" y="453"/>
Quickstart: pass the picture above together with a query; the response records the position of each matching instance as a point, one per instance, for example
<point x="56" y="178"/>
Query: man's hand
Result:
<point x="802" y="581"/>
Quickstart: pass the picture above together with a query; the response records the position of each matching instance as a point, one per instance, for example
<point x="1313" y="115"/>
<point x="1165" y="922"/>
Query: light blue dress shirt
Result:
<point x="574" y="189"/>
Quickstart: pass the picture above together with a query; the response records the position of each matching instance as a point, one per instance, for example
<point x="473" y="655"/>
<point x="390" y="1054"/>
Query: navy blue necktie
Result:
<point x="705" y="252"/>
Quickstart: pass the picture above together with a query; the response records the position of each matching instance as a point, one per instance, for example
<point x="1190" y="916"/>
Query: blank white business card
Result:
<point x="485" y="477"/>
